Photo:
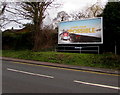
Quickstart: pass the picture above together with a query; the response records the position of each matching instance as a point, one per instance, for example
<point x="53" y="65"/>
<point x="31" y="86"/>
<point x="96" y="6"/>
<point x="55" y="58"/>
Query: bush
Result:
<point x="23" y="39"/>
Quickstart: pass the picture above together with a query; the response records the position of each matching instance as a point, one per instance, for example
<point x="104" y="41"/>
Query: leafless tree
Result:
<point x="36" y="12"/>
<point x="8" y="14"/>
<point x="61" y="16"/>
<point x="89" y="12"/>
<point x="2" y="7"/>
<point x="94" y="10"/>
<point x="77" y="15"/>
<point x="2" y="10"/>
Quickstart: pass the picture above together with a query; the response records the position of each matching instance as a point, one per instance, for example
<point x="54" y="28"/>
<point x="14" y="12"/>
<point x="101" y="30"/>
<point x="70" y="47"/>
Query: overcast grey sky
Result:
<point x="67" y="5"/>
<point x="70" y="6"/>
<point x="73" y="5"/>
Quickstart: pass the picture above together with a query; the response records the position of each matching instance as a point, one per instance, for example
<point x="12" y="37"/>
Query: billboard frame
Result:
<point x="101" y="42"/>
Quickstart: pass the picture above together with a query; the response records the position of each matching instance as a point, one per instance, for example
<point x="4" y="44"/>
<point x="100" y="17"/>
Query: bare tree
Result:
<point x="89" y="12"/>
<point x="36" y="12"/>
<point x="2" y="10"/>
<point x="77" y="15"/>
<point x="94" y="10"/>
<point x="2" y="7"/>
<point x="9" y="15"/>
<point x="61" y="16"/>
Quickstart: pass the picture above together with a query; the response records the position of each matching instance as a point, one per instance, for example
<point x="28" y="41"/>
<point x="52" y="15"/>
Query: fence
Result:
<point x="78" y="49"/>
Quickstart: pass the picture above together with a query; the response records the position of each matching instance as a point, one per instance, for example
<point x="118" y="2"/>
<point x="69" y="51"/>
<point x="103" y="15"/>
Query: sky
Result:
<point x="66" y="5"/>
<point x="75" y="5"/>
<point x="72" y="5"/>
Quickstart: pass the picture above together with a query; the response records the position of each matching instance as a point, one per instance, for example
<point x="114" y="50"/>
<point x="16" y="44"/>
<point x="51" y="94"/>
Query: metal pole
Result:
<point x="80" y="49"/>
<point x="98" y="50"/>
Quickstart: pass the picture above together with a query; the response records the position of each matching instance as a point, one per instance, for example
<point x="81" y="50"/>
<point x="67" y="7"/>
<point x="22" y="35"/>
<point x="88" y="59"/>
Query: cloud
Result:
<point x="75" y="5"/>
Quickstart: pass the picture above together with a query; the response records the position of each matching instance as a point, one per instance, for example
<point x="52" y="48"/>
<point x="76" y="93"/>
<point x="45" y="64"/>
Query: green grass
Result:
<point x="110" y="61"/>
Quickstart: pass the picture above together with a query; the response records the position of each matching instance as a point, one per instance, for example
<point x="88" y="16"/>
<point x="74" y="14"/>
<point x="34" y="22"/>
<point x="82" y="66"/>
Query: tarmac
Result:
<point x="84" y="68"/>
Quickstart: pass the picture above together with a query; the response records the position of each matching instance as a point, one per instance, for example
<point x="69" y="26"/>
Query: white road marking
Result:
<point x="96" y="84"/>
<point x="29" y="73"/>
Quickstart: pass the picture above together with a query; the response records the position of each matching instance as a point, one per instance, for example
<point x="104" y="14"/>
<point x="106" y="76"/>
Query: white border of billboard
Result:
<point x="101" y="42"/>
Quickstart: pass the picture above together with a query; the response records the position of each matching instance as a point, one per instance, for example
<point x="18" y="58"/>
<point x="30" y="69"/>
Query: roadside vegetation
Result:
<point x="110" y="60"/>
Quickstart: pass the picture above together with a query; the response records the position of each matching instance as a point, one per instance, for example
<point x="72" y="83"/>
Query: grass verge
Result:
<point x="110" y="61"/>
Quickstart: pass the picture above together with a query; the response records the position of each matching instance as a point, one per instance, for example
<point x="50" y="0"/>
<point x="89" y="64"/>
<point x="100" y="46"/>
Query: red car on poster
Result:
<point x="65" y="36"/>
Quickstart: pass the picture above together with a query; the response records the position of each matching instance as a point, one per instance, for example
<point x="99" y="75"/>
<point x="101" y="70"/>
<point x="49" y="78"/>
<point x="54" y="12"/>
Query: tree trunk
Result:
<point x="37" y="30"/>
<point x="37" y="41"/>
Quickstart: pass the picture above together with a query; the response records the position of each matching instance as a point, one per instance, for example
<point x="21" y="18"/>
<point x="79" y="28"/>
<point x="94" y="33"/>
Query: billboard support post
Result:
<point x="80" y="49"/>
<point x="98" y="49"/>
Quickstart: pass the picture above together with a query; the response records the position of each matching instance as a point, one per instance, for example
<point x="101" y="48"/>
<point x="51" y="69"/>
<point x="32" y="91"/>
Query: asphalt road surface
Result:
<point x="25" y="78"/>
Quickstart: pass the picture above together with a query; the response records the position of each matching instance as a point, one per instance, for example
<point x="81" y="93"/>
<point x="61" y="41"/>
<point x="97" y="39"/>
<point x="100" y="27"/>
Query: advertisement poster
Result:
<point x="87" y="31"/>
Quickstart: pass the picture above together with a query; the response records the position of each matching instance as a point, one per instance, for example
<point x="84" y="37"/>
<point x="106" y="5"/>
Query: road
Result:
<point x="25" y="78"/>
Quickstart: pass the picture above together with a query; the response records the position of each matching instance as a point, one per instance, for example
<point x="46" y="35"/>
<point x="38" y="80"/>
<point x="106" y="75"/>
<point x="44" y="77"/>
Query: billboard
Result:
<point x="87" y="31"/>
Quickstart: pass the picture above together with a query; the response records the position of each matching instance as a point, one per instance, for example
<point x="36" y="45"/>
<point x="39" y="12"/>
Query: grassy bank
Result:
<point x="93" y="60"/>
